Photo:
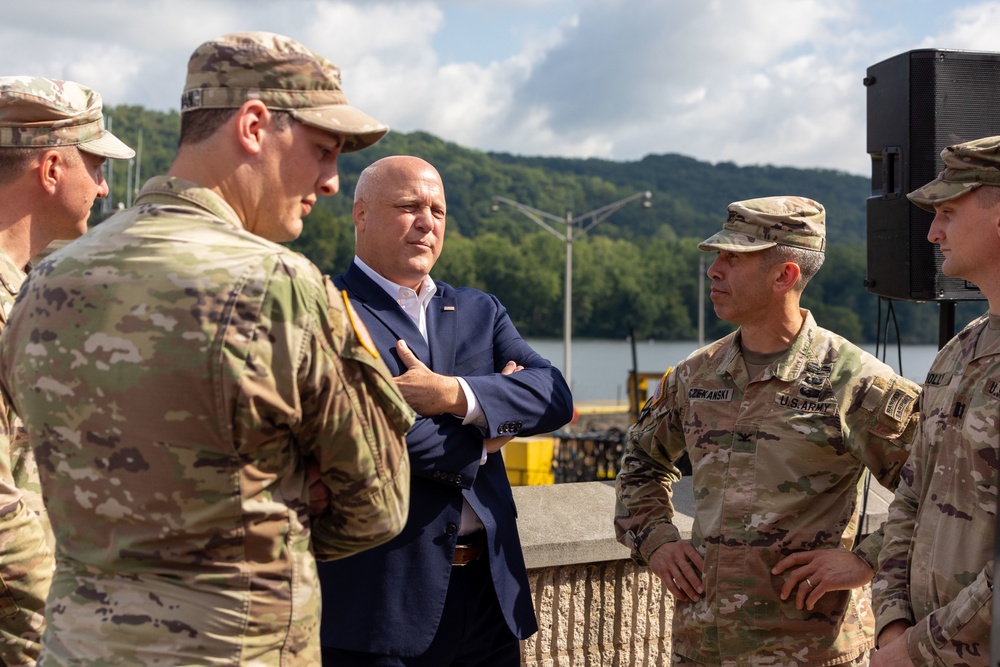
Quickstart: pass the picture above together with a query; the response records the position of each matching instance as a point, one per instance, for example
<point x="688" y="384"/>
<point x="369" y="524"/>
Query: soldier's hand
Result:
<point x="674" y="563"/>
<point x="319" y="493"/>
<point x="428" y="393"/>
<point x="814" y="573"/>
<point x="891" y="650"/>
<point x="891" y="633"/>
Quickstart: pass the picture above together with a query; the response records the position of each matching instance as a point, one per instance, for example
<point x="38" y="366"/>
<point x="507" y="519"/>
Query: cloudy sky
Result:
<point x="748" y="81"/>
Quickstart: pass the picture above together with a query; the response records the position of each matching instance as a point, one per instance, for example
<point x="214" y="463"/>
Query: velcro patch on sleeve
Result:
<point x="895" y="410"/>
<point x="899" y="404"/>
<point x="874" y="395"/>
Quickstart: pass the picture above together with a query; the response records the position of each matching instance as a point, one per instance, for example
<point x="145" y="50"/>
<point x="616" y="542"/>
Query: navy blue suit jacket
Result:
<point x="389" y="599"/>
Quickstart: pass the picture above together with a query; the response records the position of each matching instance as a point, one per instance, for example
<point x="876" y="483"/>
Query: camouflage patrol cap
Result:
<point x="283" y="74"/>
<point x="966" y="167"/>
<point x="41" y="113"/>
<point x="757" y="224"/>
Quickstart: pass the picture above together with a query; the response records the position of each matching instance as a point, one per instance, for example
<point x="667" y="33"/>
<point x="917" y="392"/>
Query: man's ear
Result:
<point x="50" y="168"/>
<point x="788" y="277"/>
<point x="360" y="215"/>
<point x="252" y="125"/>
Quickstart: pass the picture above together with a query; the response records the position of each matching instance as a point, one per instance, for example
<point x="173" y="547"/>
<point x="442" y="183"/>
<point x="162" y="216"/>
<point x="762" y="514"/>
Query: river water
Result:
<point x="600" y="367"/>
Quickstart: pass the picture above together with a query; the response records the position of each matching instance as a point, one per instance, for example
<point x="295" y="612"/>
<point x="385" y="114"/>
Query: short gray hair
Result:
<point x="808" y="261"/>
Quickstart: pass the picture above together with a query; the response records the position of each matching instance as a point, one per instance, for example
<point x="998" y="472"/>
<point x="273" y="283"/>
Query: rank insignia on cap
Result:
<point x="360" y="330"/>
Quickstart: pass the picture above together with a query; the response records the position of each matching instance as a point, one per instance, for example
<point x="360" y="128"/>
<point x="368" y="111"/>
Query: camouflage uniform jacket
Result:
<point x="26" y="559"/>
<point x="776" y="468"/>
<point x="176" y="374"/>
<point x="936" y="567"/>
<point x="23" y="471"/>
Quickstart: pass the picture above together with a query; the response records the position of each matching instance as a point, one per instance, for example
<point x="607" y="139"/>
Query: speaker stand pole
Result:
<point x="946" y="322"/>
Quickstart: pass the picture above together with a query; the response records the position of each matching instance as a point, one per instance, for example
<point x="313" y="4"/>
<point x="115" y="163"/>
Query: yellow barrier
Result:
<point x="529" y="461"/>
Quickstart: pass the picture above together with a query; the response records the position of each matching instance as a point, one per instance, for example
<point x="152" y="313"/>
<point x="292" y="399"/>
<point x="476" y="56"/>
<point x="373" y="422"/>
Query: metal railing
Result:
<point x="587" y="457"/>
<point x="593" y="456"/>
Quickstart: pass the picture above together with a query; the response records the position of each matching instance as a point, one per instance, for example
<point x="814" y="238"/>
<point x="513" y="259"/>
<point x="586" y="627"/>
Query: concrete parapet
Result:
<point x="610" y="613"/>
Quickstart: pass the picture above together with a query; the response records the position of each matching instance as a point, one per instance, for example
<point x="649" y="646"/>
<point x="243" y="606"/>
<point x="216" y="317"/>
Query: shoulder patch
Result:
<point x="892" y="404"/>
<point x="899" y="404"/>
<point x="360" y="330"/>
<point x="659" y="392"/>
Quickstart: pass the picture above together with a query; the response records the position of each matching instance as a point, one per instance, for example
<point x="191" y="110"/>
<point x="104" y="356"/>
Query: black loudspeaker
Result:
<point x="920" y="102"/>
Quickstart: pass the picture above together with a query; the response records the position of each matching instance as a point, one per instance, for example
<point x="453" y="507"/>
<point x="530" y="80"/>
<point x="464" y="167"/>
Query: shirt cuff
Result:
<point x="861" y="552"/>
<point x="663" y="533"/>
<point x="886" y="616"/>
<point x="475" y="415"/>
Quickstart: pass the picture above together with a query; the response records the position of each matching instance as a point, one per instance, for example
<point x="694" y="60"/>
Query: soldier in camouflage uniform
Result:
<point x="52" y="147"/>
<point x="780" y="420"/>
<point x="206" y="411"/>
<point x="933" y="591"/>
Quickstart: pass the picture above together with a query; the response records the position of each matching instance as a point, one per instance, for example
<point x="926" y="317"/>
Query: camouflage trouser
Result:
<point x="862" y="660"/>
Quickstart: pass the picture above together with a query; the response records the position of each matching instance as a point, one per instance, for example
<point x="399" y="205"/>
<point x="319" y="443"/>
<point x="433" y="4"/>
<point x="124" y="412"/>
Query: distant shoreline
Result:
<point x="600" y="367"/>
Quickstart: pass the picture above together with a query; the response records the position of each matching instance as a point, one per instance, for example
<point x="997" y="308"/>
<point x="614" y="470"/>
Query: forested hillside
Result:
<point x="639" y="268"/>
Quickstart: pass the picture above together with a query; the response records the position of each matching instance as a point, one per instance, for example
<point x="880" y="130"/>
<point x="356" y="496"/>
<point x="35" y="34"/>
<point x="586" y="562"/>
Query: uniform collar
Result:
<point x="11" y="275"/>
<point x="788" y="367"/>
<point x="167" y="189"/>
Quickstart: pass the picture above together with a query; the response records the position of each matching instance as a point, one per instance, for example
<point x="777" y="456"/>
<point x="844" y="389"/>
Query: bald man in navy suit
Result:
<point x="452" y="588"/>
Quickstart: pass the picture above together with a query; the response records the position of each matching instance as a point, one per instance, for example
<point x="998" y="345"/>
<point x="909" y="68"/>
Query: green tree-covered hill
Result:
<point x="639" y="268"/>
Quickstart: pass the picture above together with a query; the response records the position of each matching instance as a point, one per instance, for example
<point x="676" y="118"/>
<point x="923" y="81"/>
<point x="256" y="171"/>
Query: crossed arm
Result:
<point x="431" y="394"/>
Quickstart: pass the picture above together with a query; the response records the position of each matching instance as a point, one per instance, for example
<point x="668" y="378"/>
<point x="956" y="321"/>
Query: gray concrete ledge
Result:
<point x="570" y="524"/>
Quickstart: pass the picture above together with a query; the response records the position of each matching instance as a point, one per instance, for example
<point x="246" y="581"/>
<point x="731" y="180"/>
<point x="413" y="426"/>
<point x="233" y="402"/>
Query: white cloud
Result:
<point x="131" y="52"/>
<point x="399" y="78"/>
<point x="756" y="81"/>
<point x="761" y="81"/>
<point x="720" y="81"/>
<point x="974" y="29"/>
<point x="396" y="33"/>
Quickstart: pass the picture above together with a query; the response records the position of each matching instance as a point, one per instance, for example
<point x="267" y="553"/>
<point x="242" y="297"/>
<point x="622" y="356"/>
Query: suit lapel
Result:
<point x="380" y="311"/>
<point x="442" y="329"/>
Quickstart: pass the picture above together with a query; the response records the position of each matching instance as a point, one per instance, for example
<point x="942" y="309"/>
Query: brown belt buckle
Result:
<point x="468" y="553"/>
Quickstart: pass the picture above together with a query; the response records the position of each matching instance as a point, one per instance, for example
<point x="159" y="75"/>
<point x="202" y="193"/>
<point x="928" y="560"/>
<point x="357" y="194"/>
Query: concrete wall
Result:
<point x="595" y="607"/>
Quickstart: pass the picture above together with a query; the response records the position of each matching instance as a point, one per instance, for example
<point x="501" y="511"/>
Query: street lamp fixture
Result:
<point x="594" y="217"/>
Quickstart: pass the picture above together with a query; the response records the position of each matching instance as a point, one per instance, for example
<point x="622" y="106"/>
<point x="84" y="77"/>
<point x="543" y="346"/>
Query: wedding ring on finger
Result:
<point x="811" y="584"/>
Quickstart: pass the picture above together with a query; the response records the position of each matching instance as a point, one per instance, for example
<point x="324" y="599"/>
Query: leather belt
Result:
<point x="469" y="550"/>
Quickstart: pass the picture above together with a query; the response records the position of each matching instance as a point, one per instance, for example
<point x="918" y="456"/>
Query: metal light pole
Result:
<point x="107" y="202"/>
<point x="701" y="300"/>
<point x="596" y="216"/>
